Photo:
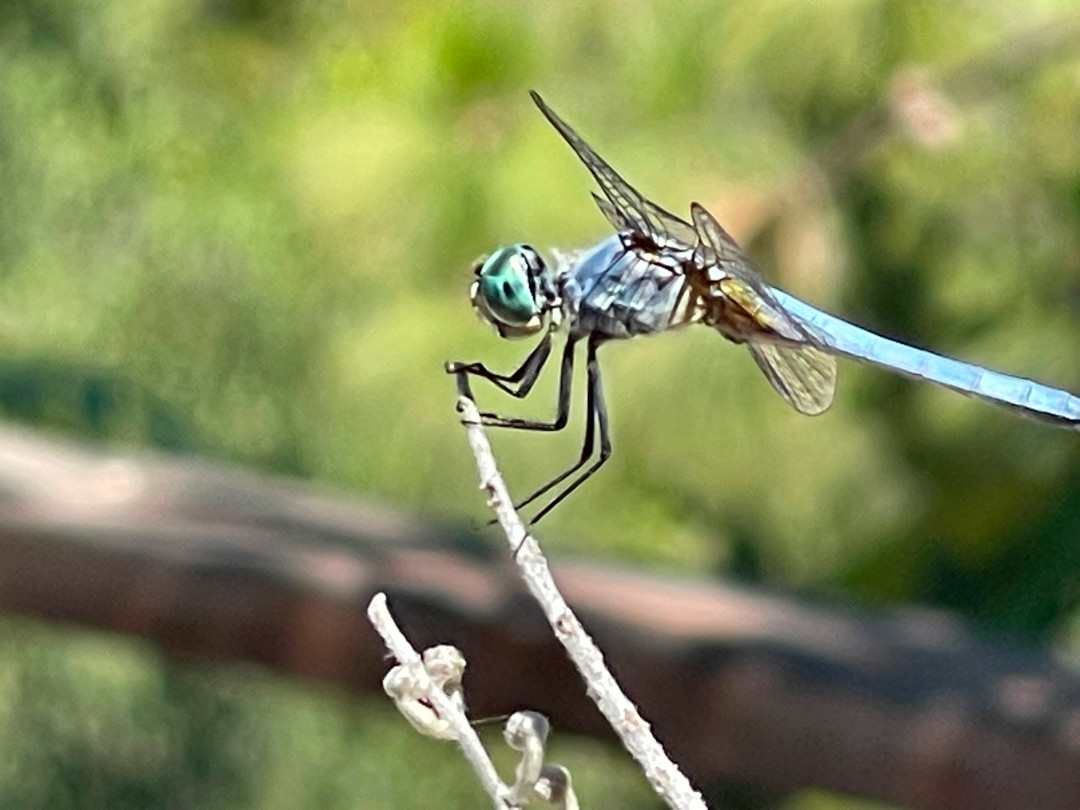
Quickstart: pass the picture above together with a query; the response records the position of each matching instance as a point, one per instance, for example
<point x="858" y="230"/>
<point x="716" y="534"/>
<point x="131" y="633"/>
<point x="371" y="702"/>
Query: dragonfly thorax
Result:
<point x="515" y="292"/>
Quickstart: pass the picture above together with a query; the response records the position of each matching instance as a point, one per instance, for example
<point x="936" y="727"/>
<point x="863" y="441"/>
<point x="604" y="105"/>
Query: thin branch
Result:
<point x="665" y="777"/>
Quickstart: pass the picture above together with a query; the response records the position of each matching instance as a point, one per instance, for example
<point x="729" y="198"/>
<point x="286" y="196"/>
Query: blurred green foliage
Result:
<point x="243" y="228"/>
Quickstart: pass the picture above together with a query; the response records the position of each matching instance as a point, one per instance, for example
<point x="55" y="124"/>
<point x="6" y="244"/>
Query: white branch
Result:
<point x="446" y="709"/>
<point x="665" y="777"/>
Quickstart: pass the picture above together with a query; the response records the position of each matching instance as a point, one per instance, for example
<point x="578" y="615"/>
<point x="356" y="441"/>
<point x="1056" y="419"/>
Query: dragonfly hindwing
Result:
<point x="803" y="375"/>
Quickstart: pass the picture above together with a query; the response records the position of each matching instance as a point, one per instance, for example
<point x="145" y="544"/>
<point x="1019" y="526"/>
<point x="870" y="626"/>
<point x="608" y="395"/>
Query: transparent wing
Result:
<point x="613" y="214"/>
<point x="624" y="207"/>
<point x="803" y="375"/>
<point x="738" y="280"/>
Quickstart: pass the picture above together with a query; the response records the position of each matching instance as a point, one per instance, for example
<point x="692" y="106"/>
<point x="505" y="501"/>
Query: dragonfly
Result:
<point x="660" y="272"/>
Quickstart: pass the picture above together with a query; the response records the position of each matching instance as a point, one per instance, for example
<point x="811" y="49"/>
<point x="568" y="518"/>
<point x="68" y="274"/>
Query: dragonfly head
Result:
<point x="514" y="292"/>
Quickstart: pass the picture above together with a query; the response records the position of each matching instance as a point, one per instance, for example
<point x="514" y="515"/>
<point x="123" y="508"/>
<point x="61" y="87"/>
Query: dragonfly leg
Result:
<point x="562" y="410"/>
<point x="586" y="450"/>
<point x="524" y="377"/>
<point x="596" y="417"/>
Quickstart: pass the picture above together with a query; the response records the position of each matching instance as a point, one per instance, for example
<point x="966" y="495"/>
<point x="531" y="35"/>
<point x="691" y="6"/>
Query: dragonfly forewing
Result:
<point x="627" y="210"/>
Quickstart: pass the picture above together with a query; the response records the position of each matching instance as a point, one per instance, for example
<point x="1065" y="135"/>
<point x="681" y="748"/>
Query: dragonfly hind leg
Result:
<point x="595" y="418"/>
<point x="525" y="377"/>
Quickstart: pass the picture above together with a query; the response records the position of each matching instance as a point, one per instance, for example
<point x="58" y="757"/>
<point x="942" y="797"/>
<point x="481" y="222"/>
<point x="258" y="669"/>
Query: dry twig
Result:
<point x="636" y="736"/>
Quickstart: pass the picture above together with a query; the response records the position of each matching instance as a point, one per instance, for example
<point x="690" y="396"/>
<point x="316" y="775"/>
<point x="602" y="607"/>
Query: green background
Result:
<point x="243" y="229"/>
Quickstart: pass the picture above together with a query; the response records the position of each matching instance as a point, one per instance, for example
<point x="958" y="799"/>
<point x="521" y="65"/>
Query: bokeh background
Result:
<point x="243" y="229"/>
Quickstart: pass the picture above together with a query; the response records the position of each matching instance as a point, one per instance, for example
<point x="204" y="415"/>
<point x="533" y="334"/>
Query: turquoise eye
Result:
<point x="504" y="285"/>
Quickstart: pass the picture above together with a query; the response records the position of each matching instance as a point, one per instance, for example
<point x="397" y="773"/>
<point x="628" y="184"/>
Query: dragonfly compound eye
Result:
<point x="505" y="288"/>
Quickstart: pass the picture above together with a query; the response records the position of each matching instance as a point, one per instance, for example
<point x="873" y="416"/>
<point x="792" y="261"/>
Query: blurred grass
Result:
<point x="243" y="229"/>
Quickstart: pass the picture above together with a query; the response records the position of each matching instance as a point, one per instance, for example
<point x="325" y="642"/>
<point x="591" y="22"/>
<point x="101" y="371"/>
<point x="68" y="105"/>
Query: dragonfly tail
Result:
<point x="1025" y="397"/>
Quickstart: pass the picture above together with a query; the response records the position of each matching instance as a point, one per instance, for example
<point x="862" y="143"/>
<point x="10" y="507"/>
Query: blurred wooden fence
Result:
<point x="744" y="687"/>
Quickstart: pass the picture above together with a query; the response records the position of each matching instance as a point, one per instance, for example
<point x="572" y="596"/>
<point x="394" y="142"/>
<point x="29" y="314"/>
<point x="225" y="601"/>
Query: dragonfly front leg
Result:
<point x="525" y="376"/>
<point x="528" y="373"/>
<point x="596" y="417"/>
